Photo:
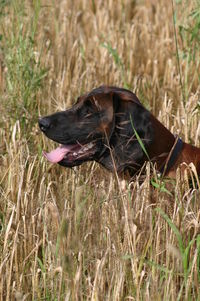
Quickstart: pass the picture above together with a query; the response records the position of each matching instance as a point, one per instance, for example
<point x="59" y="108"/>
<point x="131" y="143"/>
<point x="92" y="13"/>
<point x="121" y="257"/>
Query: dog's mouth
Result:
<point x="71" y="152"/>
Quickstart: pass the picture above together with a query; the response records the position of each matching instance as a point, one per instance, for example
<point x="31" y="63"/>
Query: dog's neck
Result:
<point x="159" y="152"/>
<point x="189" y="154"/>
<point x="162" y="144"/>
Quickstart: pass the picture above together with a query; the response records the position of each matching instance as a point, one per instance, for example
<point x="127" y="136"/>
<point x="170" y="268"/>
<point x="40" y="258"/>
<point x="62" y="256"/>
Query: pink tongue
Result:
<point x="58" y="154"/>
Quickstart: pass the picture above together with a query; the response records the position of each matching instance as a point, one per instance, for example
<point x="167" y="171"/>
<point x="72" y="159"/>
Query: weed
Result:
<point x="24" y="73"/>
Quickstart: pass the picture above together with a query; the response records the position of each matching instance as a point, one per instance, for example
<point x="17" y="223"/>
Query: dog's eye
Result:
<point x="89" y="109"/>
<point x="88" y="102"/>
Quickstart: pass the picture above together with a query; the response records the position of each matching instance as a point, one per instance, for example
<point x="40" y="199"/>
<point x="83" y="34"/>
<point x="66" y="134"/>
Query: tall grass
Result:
<point x="81" y="234"/>
<point x="24" y="72"/>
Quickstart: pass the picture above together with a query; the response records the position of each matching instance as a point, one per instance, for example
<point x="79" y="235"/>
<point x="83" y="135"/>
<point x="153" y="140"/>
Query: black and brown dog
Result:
<point x="109" y="125"/>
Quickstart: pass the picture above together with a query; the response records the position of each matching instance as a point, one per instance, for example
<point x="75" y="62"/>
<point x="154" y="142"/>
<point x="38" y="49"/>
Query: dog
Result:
<point x="109" y="125"/>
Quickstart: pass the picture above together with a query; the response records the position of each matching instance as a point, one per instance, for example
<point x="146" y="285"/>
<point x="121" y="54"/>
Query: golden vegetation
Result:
<point x="77" y="234"/>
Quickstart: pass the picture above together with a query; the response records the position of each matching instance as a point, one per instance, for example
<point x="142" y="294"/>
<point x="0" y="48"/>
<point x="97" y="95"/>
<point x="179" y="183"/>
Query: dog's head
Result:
<point x="100" y="126"/>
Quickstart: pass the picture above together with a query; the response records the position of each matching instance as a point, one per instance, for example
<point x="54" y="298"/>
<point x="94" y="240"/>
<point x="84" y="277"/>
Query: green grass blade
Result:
<point x="139" y="139"/>
<point x="174" y="229"/>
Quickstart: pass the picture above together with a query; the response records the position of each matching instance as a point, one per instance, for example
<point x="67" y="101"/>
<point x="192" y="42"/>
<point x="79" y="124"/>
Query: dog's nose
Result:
<point x="44" y="123"/>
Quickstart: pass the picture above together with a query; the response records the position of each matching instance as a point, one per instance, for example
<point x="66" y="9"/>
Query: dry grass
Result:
<point x="76" y="234"/>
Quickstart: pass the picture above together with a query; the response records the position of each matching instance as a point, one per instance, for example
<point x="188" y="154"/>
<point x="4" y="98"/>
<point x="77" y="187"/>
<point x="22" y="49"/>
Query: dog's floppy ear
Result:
<point x="129" y="117"/>
<point x="104" y="103"/>
<point x="107" y="100"/>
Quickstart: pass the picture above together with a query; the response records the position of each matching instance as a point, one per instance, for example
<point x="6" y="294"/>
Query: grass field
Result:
<point x="82" y="234"/>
